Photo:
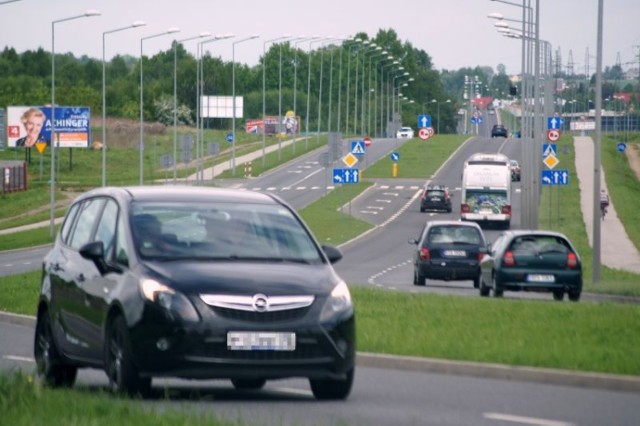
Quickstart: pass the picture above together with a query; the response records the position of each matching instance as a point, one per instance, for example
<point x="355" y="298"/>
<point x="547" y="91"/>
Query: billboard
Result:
<point x="28" y="125"/>
<point x="220" y="106"/>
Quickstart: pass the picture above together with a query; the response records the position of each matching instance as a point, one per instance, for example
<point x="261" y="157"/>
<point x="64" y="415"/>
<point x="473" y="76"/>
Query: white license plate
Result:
<point x="435" y="199"/>
<point x="540" y="278"/>
<point x="455" y="253"/>
<point x="260" y="341"/>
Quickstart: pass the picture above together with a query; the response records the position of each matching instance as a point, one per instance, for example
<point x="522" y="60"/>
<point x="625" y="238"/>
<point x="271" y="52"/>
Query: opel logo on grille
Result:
<point x="260" y="303"/>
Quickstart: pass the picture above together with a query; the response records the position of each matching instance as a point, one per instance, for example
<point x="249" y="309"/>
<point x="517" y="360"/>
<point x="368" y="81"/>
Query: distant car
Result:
<point x="498" y="130"/>
<point x="514" y="166"/>
<point x="405" y="133"/>
<point x="192" y="282"/>
<point x="448" y="250"/>
<point x="435" y="197"/>
<point x="537" y="261"/>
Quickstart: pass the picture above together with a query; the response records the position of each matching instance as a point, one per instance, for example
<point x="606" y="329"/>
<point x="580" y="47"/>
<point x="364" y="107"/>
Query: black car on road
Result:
<point x="448" y="250"/>
<point x="435" y="197"/>
<point x="498" y="130"/>
<point x="536" y="261"/>
<point x="199" y="283"/>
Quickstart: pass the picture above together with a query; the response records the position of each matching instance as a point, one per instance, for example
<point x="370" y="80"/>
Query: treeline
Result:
<point x="338" y="74"/>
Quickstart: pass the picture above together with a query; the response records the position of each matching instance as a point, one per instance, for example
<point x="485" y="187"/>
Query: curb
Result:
<point x="548" y="376"/>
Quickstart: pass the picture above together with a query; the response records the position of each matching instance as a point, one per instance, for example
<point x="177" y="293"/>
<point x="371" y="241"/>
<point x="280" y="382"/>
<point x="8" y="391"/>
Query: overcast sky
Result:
<point x="455" y="33"/>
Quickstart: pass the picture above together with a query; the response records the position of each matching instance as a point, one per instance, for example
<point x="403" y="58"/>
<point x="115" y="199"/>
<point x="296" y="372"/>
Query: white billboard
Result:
<point x="220" y="106"/>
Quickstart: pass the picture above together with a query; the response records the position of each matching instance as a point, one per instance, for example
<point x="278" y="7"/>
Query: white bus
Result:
<point x="486" y="190"/>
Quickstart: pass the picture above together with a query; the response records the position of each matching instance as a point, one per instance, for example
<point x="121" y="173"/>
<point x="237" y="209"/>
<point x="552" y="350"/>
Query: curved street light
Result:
<point x="175" y="96"/>
<point x="104" y="97"/>
<point x="264" y="93"/>
<point x="141" y="147"/>
<point x="233" y="88"/>
<point x="52" y="143"/>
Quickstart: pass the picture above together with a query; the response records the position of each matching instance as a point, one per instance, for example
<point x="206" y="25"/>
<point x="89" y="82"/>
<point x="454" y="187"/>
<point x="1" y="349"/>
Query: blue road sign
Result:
<point x="395" y="156"/>
<point x="622" y="146"/>
<point x="341" y="176"/>
<point x="229" y="137"/>
<point x="549" y="149"/>
<point x="358" y="147"/>
<point x="424" y="120"/>
<point x="474" y="120"/>
<point x="555" y="177"/>
<point x="554" y="123"/>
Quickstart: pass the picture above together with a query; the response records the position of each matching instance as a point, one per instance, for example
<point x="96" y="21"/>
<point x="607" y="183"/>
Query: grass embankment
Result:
<point x="560" y="211"/>
<point x="574" y="336"/>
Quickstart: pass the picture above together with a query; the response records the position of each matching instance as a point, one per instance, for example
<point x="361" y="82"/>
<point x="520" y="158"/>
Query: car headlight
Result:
<point x="176" y="304"/>
<point x="338" y="301"/>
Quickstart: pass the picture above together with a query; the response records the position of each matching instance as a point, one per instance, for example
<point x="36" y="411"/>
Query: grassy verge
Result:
<point x="23" y="402"/>
<point x="574" y="336"/>
<point x="558" y="212"/>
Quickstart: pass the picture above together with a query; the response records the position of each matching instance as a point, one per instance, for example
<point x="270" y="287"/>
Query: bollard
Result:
<point x="248" y="166"/>
<point x="394" y="172"/>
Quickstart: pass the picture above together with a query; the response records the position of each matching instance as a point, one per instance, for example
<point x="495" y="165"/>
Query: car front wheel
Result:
<point x="122" y="373"/>
<point x="50" y="368"/>
<point x="331" y="388"/>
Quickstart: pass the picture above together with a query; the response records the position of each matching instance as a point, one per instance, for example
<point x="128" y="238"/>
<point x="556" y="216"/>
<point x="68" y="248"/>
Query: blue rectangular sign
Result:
<point x="424" y="120"/>
<point x="554" y="123"/>
<point x="341" y="176"/>
<point x="358" y="147"/>
<point x="549" y="149"/>
<point x="555" y="177"/>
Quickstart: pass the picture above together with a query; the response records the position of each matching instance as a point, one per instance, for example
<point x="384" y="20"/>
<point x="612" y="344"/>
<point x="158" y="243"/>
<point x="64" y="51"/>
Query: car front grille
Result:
<point x="253" y="316"/>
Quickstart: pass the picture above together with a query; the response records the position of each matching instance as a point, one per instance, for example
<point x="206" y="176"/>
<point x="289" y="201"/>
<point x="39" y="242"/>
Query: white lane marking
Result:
<point x="383" y="201"/>
<point x="367" y="212"/>
<point x="525" y="420"/>
<point x="295" y="171"/>
<point x="271" y="188"/>
<point x="375" y="207"/>
<point x="18" y="358"/>
<point x="403" y="209"/>
<point x="393" y="194"/>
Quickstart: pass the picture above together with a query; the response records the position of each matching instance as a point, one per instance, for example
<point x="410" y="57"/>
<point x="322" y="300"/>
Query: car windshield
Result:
<point x="540" y="244"/>
<point x="224" y="231"/>
<point x="435" y="193"/>
<point x="453" y="235"/>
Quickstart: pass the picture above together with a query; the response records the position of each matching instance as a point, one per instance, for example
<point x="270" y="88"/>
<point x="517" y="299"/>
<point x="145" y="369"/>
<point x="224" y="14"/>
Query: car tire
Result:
<point x="326" y="389"/>
<point x="248" y="384"/>
<point x="574" y="296"/>
<point x="124" y="376"/>
<point x="497" y="291"/>
<point x="49" y="367"/>
<point x="484" y="290"/>
<point x="422" y="210"/>
<point x="419" y="279"/>
<point x="558" y="295"/>
<point x="476" y="282"/>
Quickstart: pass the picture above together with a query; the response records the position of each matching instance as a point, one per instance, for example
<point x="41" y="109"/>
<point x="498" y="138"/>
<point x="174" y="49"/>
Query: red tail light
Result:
<point x="506" y="209"/>
<point x="424" y="254"/>
<point x="508" y="259"/>
<point x="480" y="256"/>
<point x="464" y="208"/>
<point x="572" y="260"/>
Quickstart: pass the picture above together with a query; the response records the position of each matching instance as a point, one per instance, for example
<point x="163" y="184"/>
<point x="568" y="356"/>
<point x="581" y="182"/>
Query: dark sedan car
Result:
<point x="195" y="283"/>
<point x="541" y="261"/>
<point x="448" y="250"/>
<point x="498" y="130"/>
<point x="435" y="197"/>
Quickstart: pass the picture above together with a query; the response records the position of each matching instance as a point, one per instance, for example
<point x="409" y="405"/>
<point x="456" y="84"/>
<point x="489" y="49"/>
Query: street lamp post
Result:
<point x="295" y="82"/>
<point x="104" y="97"/>
<point x="264" y="93"/>
<point x="52" y="143"/>
<point x="200" y="124"/>
<point x="175" y="97"/>
<point x="306" y="140"/>
<point x="141" y="147"/>
<point x="233" y="86"/>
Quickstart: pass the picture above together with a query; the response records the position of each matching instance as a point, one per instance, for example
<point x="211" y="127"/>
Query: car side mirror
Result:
<point x="94" y="251"/>
<point x="333" y="254"/>
<point x="413" y="241"/>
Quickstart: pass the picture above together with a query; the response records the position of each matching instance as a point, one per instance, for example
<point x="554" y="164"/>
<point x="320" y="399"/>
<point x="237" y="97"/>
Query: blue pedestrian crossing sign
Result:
<point x="549" y="149"/>
<point x="358" y="147"/>
<point x="342" y="176"/>
<point x="555" y="177"/>
<point x="424" y="120"/>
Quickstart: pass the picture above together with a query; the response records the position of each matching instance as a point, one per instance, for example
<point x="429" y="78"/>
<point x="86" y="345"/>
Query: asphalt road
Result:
<point x="405" y="393"/>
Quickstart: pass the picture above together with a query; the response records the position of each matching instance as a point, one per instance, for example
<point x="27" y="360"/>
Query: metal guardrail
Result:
<point x="13" y="176"/>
